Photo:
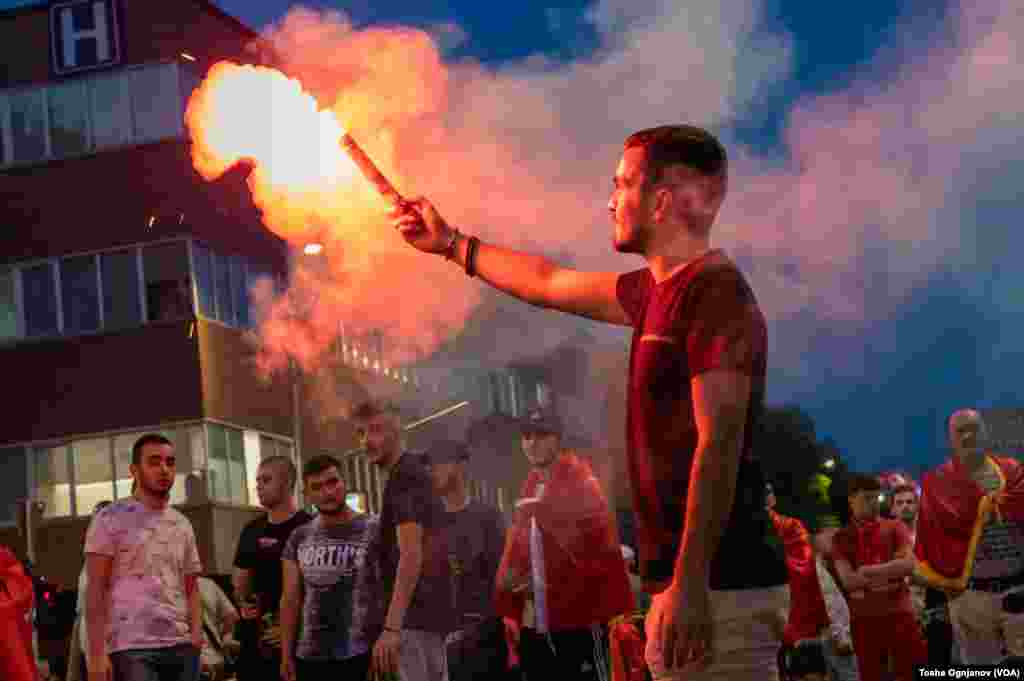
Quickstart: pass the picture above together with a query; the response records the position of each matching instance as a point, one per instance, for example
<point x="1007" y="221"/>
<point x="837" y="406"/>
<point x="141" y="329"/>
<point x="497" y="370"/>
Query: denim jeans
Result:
<point x="177" y="663"/>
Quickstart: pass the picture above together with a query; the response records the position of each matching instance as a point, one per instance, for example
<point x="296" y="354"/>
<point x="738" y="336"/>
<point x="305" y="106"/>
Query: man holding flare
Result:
<point x="697" y="386"/>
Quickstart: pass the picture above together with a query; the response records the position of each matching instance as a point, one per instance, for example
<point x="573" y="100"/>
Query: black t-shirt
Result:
<point x="475" y="537"/>
<point x="702" y="318"/>
<point x="409" y="497"/>
<point x="259" y="550"/>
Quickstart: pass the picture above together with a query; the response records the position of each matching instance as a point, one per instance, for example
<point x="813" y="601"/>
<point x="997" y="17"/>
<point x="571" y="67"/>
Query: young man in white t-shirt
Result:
<point x="144" y="614"/>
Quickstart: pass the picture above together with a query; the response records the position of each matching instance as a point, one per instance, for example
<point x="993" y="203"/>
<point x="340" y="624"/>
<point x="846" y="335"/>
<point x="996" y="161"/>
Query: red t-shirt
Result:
<point x="873" y="543"/>
<point x="703" y="317"/>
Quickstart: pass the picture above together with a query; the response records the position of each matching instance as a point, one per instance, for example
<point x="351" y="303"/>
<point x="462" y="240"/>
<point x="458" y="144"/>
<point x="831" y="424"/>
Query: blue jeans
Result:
<point x="177" y="663"/>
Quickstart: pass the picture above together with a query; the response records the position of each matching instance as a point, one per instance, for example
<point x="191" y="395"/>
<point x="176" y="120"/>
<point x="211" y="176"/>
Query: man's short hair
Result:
<point x="861" y="482"/>
<point x="318" y="464"/>
<point x="370" y="409"/>
<point x="687" y="145"/>
<point x="284" y="463"/>
<point x="147" y="439"/>
<point x="903" y="489"/>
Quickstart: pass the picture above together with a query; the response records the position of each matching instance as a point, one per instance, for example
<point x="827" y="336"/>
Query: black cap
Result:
<point x="446" y="451"/>
<point x="540" y="420"/>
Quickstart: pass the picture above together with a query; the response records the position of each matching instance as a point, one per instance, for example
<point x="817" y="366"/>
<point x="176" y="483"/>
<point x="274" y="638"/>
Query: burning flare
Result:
<point x="258" y="113"/>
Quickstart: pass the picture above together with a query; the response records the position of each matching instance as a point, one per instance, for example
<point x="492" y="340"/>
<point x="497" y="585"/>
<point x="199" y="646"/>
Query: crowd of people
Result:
<point x="435" y="587"/>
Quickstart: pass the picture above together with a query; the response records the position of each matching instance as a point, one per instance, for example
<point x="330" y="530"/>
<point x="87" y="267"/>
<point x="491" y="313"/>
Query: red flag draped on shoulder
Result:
<point x="954" y="512"/>
<point x="16" y="594"/>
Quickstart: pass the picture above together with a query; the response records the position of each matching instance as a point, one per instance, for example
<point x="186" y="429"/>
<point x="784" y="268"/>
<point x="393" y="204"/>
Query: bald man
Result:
<point x="970" y="542"/>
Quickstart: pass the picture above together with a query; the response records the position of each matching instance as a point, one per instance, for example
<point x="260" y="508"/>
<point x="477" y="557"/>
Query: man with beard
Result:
<point x="562" y="554"/>
<point x="409" y="555"/>
<point x="970" y="542"/>
<point x="474" y="534"/>
<point x="322" y="563"/>
<point x="143" y="611"/>
<point x="257" y="572"/>
<point x="697" y="383"/>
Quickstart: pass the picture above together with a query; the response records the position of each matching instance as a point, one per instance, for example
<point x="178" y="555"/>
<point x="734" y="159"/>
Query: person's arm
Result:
<point x="720" y="403"/>
<point x="902" y="564"/>
<point x="410" y="566"/>
<point x="530" y="278"/>
<point x="97" y="609"/>
<point x="291" y="602"/>
<point x="195" y="609"/>
<point x="852" y="579"/>
<point x="241" y="582"/>
<point x="227" y="613"/>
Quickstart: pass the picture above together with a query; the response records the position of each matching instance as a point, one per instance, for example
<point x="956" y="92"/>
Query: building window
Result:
<point x="240" y="290"/>
<point x="121" y="302"/>
<point x="13" y="483"/>
<point x="28" y="127"/>
<point x="40" y="295"/>
<point x="111" y="110"/>
<point x="94" y="473"/>
<point x="53" y="481"/>
<point x="156" y="102"/>
<point x="202" y="259"/>
<point x="68" y="108"/>
<point x="8" y="305"/>
<point x="225" y="296"/>
<point x="227" y="479"/>
<point x="167" y="278"/>
<point x="80" y="296"/>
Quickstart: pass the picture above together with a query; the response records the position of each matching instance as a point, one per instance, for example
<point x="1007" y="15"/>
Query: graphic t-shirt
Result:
<point x="702" y="318"/>
<point x="475" y="539"/>
<point x="152" y="553"/>
<point x="409" y="497"/>
<point x="259" y="550"/>
<point x="330" y="559"/>
<point x="1001" y="548"/>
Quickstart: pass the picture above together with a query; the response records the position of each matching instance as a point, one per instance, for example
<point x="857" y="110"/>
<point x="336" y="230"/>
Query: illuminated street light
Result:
<point x="313" y="249"/>
<point x="830" y="464"/>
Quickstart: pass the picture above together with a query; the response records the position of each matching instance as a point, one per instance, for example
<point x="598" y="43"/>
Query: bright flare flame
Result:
<point x="313" y="249"/>
<point x="258" y="113"/>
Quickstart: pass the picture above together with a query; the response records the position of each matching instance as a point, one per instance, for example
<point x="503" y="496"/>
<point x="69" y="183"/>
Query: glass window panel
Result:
<point x="53" y="486"/>
<point x="253" y="453"/>
<point x="219" y="478"/>
<point x="202" y="258"/>
<point x="168" y="284"/>
<point x="156" y="103"/>
<point x="236" y="455"/>
<point x="13" y="482"/>
<point x="8" y="305"/>
<point x="111" y="110"/>
<point x="225" y="298"/>
<point x="182" y="439"/>
<point x="69" y="119"/>
<point x="122" y="460"/>
<point x="80" y="294"/>
<point x="190" y="80"/>
<point x="121" y="307"/>
<point x="240" y="290"/>
<point x="94" y="474"/>
<point x="28" y="133"/>
<point x="40" y="294"/>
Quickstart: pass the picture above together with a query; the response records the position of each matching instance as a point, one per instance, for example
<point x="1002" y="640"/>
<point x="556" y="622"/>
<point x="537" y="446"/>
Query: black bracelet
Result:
<point x="471" y="247"/>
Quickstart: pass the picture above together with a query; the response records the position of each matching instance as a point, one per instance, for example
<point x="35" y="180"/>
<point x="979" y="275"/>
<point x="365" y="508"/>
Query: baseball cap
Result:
<point x="540" y="420"/>
<point x="446" y="451"/>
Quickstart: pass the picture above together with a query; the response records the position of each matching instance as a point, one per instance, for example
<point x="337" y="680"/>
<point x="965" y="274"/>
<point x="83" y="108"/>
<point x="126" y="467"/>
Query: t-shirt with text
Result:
<point x="702" y="318"/>
<point x="259" y="550"/>
<point x="152" y="553"/>
<point x="330" y="559"/>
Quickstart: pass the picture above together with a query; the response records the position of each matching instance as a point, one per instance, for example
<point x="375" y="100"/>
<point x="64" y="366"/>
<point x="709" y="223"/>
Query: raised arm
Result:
<point x="530" y="278"/>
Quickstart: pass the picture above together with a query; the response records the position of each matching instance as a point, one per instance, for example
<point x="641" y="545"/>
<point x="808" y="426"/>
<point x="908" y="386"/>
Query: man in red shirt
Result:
<point x="696" y="390"/>
<point x="874" y="557"/>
